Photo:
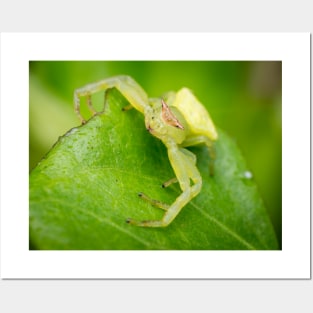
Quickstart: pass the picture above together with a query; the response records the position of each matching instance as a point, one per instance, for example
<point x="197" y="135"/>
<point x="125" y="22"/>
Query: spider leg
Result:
<point x="185" y="170"/>
<point x="154" y="202"/>
<point x="131" y="90"/>
<point x="170" y="182"/>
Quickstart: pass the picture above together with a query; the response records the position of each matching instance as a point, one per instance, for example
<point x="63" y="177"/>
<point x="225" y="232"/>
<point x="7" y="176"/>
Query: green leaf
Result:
<point x="85" y="188"/>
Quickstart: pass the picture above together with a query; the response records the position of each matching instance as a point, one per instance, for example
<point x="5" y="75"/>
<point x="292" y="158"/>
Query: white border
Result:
<point x="292" y="262"/>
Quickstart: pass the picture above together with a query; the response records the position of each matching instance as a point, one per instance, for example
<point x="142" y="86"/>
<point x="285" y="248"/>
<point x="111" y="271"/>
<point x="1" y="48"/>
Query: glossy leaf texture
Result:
<point x="86" y="187"/>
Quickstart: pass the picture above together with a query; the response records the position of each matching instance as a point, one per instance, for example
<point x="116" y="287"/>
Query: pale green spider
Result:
<point x="179" y="121"/>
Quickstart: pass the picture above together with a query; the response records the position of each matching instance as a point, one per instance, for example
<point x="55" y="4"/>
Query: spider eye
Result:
<point x="152" y="117"/>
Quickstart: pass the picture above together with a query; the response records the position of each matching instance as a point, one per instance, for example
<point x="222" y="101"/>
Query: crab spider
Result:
<point x="180" y="122"/>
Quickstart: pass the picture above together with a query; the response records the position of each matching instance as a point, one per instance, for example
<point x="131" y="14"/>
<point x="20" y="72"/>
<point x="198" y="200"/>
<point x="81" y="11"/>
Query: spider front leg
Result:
<point x="186" y="171"/>
<point x="131" y="90"/>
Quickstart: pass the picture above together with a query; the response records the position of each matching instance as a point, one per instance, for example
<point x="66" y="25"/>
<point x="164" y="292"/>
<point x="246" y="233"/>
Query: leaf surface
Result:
<point x="85" y="188"/>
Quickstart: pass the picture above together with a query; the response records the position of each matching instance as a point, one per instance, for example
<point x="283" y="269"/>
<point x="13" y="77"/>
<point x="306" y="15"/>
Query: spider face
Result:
<point x="164" y="122"/>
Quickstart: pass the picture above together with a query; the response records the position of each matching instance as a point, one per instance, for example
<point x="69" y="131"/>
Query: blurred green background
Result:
<point x="244" y="98"/>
